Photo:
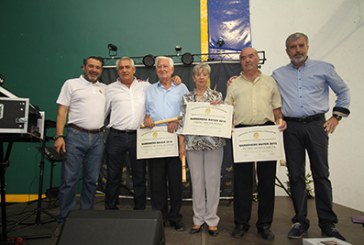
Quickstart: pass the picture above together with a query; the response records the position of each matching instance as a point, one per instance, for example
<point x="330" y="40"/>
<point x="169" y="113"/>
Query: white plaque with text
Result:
<point x="156" y="143"/>
<point x="208" y="120"/>
<point x="262" y="143"/>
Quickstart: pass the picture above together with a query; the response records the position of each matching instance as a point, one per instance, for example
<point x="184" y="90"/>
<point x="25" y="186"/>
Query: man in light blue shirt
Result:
<point x="304" y="85"/>
<point x="164" y="100"/>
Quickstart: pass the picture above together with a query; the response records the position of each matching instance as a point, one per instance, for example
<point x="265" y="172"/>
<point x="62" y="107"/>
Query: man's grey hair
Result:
<point x="125" y="58"/>
<point x="295" y="36"/>
<point x="170" y="61"/>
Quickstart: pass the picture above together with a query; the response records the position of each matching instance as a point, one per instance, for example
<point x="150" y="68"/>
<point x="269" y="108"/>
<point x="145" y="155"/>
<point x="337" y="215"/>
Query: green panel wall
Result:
<point x="43" y="42"/>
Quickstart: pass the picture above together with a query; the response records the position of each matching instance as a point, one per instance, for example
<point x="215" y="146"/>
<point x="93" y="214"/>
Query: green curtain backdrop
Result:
<point x="42" y="43"/>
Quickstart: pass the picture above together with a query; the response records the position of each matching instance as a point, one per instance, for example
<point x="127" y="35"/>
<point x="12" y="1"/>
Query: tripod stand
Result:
<point x="280" y="184"/>
<point x="39" y="210"/>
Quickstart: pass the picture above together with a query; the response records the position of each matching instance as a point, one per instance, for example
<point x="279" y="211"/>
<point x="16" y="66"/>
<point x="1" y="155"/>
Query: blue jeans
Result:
<point x="82" y="150"/>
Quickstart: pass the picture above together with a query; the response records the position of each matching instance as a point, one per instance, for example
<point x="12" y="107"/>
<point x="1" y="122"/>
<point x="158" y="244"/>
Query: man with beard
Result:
<point x="83" y="101"/>
<point x="304" y="85"/>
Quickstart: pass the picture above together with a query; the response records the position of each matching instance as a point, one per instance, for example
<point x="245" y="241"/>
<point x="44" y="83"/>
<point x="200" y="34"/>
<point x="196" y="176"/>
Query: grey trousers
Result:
<point x="205" y="171"/>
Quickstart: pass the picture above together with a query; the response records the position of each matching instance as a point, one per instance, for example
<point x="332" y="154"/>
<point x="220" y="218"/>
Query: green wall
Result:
<point x="42" y="43"/>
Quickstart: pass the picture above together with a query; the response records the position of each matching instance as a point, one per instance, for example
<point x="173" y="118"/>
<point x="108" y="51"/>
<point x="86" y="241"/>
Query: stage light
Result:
<point x="112" y="47"/>
<point x="187" y="58"/>
<point x="112" y="50"/>
<point x="178" y="49"/>
<point x="220" y="42"/>
<point x="148" y="60"/>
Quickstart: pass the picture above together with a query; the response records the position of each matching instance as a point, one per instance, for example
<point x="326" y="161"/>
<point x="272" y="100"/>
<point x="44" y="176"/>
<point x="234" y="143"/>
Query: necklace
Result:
<point x="200" y="95"/>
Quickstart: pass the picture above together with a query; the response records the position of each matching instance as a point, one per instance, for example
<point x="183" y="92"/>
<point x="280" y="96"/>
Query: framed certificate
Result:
<point x="262" y="143"/>
<point x="208" y="120"/>
<point x="156" y="143"/>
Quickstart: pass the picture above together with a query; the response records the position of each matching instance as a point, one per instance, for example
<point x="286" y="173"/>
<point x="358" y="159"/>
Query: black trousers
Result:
<point x="243" y="191"/>
<point x="300" y="137"/>
<point x="119" y="145"/>
<point x="166" y="177"/>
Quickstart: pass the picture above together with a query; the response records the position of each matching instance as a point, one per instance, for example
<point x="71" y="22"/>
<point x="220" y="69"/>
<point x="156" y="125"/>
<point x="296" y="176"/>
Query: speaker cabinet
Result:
<point x="139" y="227"/>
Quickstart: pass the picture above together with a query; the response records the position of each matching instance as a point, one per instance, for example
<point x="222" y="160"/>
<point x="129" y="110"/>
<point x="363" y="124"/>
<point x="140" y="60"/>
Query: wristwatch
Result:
<point x="337" y="117"/>
<point x="57" y="137"/>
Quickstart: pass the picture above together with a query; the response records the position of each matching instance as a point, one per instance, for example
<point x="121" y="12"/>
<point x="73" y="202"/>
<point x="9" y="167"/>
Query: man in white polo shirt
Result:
<point x="83" y="101"/>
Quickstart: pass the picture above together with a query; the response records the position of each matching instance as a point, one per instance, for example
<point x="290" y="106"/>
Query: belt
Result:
<point x="254" y="125"/>
<point x="90" y="131"/>
<point x="308" y="119"/>
<point x="122" y="131"/>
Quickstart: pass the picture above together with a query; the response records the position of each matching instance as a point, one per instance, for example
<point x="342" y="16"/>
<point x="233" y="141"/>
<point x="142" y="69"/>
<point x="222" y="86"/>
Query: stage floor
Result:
<point x="354" y="233"/>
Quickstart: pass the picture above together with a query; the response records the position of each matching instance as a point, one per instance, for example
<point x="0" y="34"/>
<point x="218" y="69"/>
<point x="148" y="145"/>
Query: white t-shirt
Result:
<point x="126" y="105"/>
<point x="86" y="102"/>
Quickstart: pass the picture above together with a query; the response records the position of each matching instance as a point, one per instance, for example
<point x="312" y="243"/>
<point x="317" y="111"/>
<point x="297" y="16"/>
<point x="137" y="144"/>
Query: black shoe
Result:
<point x="331" y="231"/>
<point x="213" y="231"/>
<point x="178" y="226"/>
<point x="196" y="229"/>
<point x="297" y="230"/>
<point x="266" y="233"/>
<point x="239" y="231"/>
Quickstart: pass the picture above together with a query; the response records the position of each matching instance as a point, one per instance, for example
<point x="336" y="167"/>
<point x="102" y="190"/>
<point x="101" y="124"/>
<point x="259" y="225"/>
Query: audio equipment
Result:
<point x="136" y="227"/>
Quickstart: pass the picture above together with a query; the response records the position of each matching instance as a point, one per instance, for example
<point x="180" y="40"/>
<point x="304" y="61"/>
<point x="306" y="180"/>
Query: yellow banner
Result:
<point x="204" y="28"/>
